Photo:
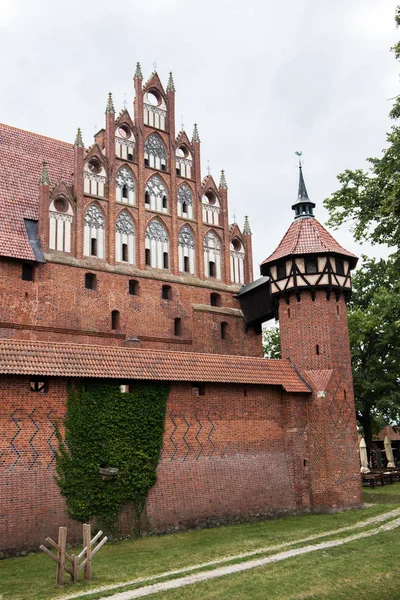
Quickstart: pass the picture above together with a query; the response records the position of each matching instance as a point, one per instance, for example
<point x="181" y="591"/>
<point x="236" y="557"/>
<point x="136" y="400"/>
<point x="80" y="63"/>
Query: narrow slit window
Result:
<point x="93" y="247"/>
<point x="165" y="258"/>
<point x="178" y="326"/>
<point x="147" y="257"/>
<point x="224" y="330"/>
<point x="147" y="198"/>
<point x="317" y="349"/>
<point x="124" y="252"/>
<point x="211" y="268"/>
<point x="164" y="201"/>
<point x="186" y="264"/>
<point x="166" y="292"/>
<point x="115" y="319"/>
<point x="133" y="287"/>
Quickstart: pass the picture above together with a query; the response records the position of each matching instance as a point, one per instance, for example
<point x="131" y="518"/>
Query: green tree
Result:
<point x="272" y="342"/>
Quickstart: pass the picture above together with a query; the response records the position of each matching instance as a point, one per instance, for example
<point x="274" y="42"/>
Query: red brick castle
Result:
<point x="118" y="262"/>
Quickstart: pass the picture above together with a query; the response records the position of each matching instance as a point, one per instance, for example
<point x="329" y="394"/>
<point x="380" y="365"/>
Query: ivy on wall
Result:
<point x="107" y="428"/>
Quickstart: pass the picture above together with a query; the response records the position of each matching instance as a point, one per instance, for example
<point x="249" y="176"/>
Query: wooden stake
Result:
<point x="87" y="543"/>
<point x="62" y="544"/>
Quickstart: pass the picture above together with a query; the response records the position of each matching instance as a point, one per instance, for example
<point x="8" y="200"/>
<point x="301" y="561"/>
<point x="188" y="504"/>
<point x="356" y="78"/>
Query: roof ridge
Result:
<point x="46" y="137"/>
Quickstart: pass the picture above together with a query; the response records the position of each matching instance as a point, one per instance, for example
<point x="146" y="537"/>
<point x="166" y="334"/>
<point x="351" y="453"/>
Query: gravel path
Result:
<point x="229" y="569"/>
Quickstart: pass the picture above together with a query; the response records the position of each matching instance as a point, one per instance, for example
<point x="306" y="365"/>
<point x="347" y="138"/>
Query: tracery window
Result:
<point x="183" y="162"/>
<point x="212" y="255"/>
<point x="156" y="195"/>
<point x="237" y="261"/>
<point x="125" y="239"/>
<point x="155" y="110"/>
<point x="125" y="186"/>
<point x="94" y="232"/>
<point x="124" y="142"/>
<point x="186" y="250"/>
<point x="185" y="202"/>
<point x="157" y="245"/>
<point x="211" y="208"/>
<point x="60" y="225"/>
<point x="94" y="177"/>
<point x="155" y="155"/>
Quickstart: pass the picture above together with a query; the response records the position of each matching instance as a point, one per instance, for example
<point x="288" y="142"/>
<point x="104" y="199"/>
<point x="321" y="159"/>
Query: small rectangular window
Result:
<point x="115" y="319"/>
<point x="281" y="271"/>
<point x="147" y="257"/>
<point x="311" y="265"/>
<point x="90" y="281"/>
<point x="178" y="326"/>
<point x="166" y="292"/>
<point x="27" y="272"/>
<point x="165" y="255"/>
<point x="199" y="389"/>
<point x="133" y="287"/>
<point x="211" y="268"/>
<point x="224" y="330"/>
<point x="339" y="267"/>
<point x="186" y="264"/>
<point x="124" y="252"/>
<point x="93" y="247"/>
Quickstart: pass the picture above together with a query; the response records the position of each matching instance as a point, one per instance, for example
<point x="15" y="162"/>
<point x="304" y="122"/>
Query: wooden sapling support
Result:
<point x="87" y="553"/>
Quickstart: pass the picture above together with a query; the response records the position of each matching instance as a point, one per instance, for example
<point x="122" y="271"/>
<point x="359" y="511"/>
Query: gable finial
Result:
<point x="44" y="175"/>
<point x="78" y="140"/>
<point x="154" y="66"/>
<point x="125" y="102"/>
<point x="246" y="226"/>
<point x="208" y="168"/>
<point x="171" y="85"/>
<point x="138" y="72"/>
<point x="222" y="182"/>
<point x="110" y="104"/>
<point x="195" y="136"/>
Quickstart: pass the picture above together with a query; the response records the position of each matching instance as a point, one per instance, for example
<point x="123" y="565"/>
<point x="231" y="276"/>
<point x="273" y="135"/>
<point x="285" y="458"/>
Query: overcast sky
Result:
<point x="261" y="78"/>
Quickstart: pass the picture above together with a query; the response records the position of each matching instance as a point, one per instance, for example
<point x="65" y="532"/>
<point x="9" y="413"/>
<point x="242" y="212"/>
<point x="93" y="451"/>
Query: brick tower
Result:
<point x="309" y="283"/>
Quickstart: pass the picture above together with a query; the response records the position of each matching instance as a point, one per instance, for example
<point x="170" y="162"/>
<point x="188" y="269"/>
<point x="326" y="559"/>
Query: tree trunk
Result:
<point x="367" y="426"/>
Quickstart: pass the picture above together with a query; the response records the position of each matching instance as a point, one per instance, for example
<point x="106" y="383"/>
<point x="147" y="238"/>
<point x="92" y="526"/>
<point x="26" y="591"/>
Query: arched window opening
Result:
<point x="211" y="208"/>
<point x="186" y="250"/>
<point x="166" y="292"/>
<point x="178" y="326"/>
<point x="155" y="155"/>
<point x="212" y="255"/>
<point x="124" y="142"/>
<point x="224" y="330"/>
<point x="60" y="225"/>
<point x="94" y="232"/>
<point x="90" y="281"/>
<point x="125" y="238"/>
<point x="215" y="299"/>
<point x="185" y="202"/>
<point x="237" y="261"/>
<point x="133" y="287"/>
<point x="184" y="162"/>
<point x="157" y="245"/>
<point x="94" y="177"/>
<point x="125" y="190"/>
<point x="156" y="195"/>
<point x="115" y="319"/>
<point x="154" y="109"/>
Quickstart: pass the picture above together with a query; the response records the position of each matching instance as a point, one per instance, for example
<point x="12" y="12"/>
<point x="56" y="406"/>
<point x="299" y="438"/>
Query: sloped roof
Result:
<point x="76" y="360"/>
<point x="21" y="156"/>
<point x="393" y="433"/>
<point x="307" y="236"/>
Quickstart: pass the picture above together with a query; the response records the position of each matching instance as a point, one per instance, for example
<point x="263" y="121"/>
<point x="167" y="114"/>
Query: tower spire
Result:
<point x="44" y="175"/>
<point x="138" y="72"/>
<point x="303" y="206"/>
<point x="222" y="182"/>
<point x="195" y="136"/>
<point x="171" y="85"/>
<point x="78" y="139"/>
<point x="110" y="105"/>
<point x="246" y="226"/>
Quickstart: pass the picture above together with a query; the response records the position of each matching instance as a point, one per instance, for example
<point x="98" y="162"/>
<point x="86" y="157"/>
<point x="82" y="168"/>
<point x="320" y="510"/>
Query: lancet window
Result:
<point x="237" y="261"/>
<point x="156" y="195"/>
<point x="125" y="239"/>
<point x="125" y="186"/>
<point x="124" y="142"/>
<point x="155" y="110"/>
<point x="211" y="208"/>
<point x="60" y="225"/>
<point x="186" y="250"/>
<point x="185" y="202"/>
<point x="94" y="232"/>
<point x="212" y="255"/>
<point x="94" y="177"/>
<point x="155" y="155"/>
<point x="157" y="245"/>
<point x="184" y="162"/>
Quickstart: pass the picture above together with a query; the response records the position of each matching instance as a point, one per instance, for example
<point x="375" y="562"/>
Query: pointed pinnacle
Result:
<point x="195" y="136"/>
<point x="78" y="140"/>
<point x="171" y="85"/>
<point x="302" y="193"/>
<point x="222" y="182"/>
<point x="44" y="175"/>
<point x="110" y="106"/>
<point x="138" y="72"/>
<point x="246" y="226"/>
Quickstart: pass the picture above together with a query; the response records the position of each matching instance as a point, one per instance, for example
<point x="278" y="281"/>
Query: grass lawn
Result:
<point x="366" y="568"/>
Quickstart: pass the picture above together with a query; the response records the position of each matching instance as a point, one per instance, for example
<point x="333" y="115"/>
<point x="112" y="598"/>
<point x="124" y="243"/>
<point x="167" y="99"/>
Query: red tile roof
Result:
<point x="306" y="236"/>
<point x="76" y="360"/>
<point x="21" y="156"/>
<point x="393" y="433"/>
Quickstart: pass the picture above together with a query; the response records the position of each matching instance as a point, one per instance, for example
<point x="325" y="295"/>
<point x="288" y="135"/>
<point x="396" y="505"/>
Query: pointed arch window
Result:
<point x="157" y="245"/>
<point x="155" y="155"/>
<point x="156" y="195"/>
<point x="212" y="255"/>
<point x="185" y="202"/>
<point x="125" y="186"/>
<point x="94" y="232"/>
<point x="211" y="208"/>
<point x="184" y="162"/>
<point x="125" y="239"/>
<point x="237" y="261"/>
<point x="60" y="225"/>
<point x="186" y="250"/>
<point x="155" y="109"/>
<point x="94" y="177"/>
<point x="124" y="142"/>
